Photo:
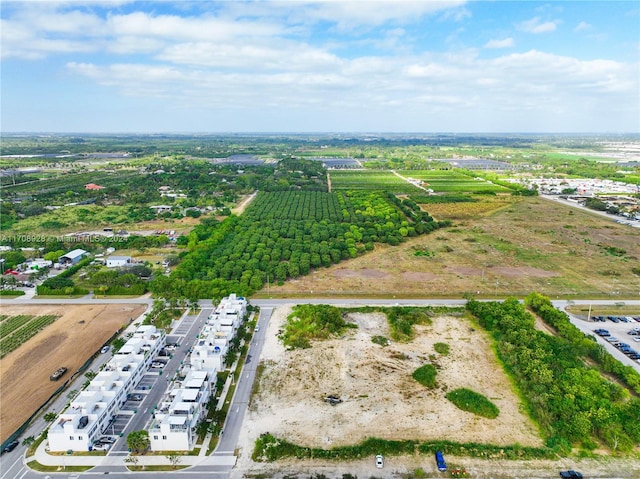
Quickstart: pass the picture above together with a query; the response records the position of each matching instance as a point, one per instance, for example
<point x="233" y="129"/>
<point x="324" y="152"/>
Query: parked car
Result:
<point x="570" y="475"/>
<point x="442" y="466"/>
<point x="11" y="446"/>
<point x="379" y="461"/>
<point x="135" y="397"/>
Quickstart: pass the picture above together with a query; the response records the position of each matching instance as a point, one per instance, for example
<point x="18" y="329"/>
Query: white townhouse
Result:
<point x="210" y="349"/>
<point x="173" y="427"/>
<point x="90" y="413"/>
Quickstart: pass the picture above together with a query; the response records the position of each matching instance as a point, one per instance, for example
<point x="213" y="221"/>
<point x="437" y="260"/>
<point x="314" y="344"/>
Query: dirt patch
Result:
<point x="69" y="341"/>
<point x="380" y="398"/>
<point x="361" y="273"/>
<point x="523" y="271"/>
<point x="419" y="276"/>
<point x="466" y="271"/>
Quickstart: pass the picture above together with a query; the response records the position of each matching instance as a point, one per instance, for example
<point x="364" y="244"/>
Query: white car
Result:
<point x="379" y="461"/>
<point x="105" y="349"/>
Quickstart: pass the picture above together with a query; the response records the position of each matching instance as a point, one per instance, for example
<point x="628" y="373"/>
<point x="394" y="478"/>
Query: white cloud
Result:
<point x="503" y="43"/>
<point x="582" y="26"/>
<point x="536" y="25"/>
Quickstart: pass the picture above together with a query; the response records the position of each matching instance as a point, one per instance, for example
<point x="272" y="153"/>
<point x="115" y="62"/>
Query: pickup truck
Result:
<point x="570" y="475"/>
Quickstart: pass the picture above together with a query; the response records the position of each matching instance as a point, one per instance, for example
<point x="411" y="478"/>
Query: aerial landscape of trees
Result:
<point x="284" y="235"/>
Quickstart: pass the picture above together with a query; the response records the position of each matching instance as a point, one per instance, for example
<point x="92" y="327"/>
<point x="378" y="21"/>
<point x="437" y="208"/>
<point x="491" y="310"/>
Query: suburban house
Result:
<point x="90" y="414"/>
<point x="72" y="257"/>
<point x="118" y="261"/>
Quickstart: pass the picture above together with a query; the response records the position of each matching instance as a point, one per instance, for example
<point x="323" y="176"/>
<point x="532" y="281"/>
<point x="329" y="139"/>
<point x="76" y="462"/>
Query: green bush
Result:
<point x="426" y="375"/>
<point x="312" y="322"/>
<point x="11" y="292"/>
<point x="471" y="401"/>
<point x="442" y="348"/>
<point x="381" y="340"/>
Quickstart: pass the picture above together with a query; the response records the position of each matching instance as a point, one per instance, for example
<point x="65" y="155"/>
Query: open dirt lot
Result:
<point x="380" y="398"/>
<point x="531" y="244"/>
<point x="69" y="341"/>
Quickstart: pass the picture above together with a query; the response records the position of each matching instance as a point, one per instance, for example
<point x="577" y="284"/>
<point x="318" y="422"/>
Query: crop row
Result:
<point x="367" y="180"/>
<point x="10" y="325"/>
<point x="29" y="330"/>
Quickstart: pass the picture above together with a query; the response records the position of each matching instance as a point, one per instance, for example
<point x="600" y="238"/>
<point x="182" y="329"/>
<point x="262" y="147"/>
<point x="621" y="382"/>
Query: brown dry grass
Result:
<point x="24" y="373"/>
<point x="529" y="245"/>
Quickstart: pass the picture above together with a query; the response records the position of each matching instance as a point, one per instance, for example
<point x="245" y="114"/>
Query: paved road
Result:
<point x="573" y="204"/>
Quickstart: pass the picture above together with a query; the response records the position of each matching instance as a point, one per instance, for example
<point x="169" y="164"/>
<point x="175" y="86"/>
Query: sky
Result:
<point x="320" y="66"/>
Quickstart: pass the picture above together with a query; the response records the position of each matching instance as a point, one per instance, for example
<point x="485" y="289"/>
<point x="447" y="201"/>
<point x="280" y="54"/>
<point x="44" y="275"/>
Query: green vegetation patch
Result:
<point x="442" y="199"/>
<point x="310" y="322"/>
<point x="16" y="330"/>
<point x="381" y="340"/>
<point x="426" y="375"/>
<point x="402" y="318"/>
<point x="572" y="402"/>
<point x="442" y="348"/>
<point x="473" y="402"/>
<point x="269" y="448"/>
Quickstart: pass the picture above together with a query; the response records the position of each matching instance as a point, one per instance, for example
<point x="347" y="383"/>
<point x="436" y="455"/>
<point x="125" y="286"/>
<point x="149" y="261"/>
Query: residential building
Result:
<point x="89" y="415"/>
<point x="174" y="422"/>
<point x="118" y="261"/>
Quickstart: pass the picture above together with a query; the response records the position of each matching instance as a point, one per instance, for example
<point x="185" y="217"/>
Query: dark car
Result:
<point x="11" y="446"/>
<point x="570" y="475"/>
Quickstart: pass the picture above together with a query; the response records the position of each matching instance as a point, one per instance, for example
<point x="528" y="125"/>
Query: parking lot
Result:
<point x="620" y="336"/>
<point x="147" y="381"/>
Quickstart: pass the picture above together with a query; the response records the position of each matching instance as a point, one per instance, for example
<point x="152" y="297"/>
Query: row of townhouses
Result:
<point x="90" y="413"/>
<point x="174" y="421"/>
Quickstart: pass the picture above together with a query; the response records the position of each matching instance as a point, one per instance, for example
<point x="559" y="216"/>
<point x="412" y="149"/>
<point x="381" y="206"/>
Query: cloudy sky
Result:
<point x="320" y="66"/>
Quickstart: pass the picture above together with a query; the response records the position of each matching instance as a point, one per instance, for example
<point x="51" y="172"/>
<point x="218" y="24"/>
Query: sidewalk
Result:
<point x="47" y="459"/>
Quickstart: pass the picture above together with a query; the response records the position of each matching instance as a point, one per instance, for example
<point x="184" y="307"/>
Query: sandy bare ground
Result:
<point x="24" y="373"/>
<point x="381" y="399"/>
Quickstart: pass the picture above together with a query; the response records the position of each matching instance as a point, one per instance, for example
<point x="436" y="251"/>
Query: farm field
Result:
<point x="16" y="330"/>
<point x="79" y="332"/>
<point x="380" y="397"/>
<point x="441" y="181"/>
<point x="523" y="245"/>
<point x="371" y="180"/>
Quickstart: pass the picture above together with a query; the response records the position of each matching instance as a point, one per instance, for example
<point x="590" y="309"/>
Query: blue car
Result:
<point x="442" y="466"/>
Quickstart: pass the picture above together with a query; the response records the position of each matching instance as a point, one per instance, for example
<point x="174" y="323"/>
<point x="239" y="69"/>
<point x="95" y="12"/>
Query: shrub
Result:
<point x="474" y="402"/>
<point x="426" y="375"/>
<point x="442" y="348"/>
<point x="381" y="340"/>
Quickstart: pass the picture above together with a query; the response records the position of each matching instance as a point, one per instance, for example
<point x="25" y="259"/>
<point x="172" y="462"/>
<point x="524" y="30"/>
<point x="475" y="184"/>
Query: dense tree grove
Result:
<point x="284" y="235"/>
<point x="572" y="403"/>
